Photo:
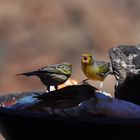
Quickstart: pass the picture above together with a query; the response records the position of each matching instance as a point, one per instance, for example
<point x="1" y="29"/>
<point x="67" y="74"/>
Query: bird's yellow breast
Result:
<point x="92" y="72"/>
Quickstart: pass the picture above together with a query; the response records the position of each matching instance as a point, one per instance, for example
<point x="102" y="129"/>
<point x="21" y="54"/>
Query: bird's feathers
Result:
<point x="28" y="73"/>
<point x="94" y="69"/>
<point x="57" y="69"/>
<point x="52" y="75"/>
<point x="102" y="67"/>
<point x="64" y="69"/>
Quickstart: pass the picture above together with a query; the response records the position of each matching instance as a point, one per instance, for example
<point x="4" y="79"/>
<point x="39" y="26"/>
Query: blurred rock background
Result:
<point x="36" y="33"/>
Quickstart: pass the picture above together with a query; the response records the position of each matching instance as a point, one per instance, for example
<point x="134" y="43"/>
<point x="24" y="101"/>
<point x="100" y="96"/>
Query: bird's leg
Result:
<point x="101" y="85"/>
<point x="48" y="88"/>
<point x="84" y="81"/>
<point x="56" y="87"/>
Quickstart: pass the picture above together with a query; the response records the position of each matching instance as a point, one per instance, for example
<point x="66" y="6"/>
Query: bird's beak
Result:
<point x="84" y="59"/>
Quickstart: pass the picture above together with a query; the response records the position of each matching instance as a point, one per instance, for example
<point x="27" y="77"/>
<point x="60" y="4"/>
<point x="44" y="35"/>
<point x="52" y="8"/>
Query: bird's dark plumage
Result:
<point x="52" y="75"/>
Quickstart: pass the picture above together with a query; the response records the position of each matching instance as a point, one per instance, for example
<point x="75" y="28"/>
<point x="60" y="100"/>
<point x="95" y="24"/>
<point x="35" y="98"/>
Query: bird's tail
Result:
<point x="28" y="73"/>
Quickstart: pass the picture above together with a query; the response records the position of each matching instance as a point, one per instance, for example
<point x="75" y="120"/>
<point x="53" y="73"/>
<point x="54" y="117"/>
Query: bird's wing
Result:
<point x="57" y="69"/>
<point x="64" y="69"/>
<point x="103" y="68"/>
<point x="49" y="69"/>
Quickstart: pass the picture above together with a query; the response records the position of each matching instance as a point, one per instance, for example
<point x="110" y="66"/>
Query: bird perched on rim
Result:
<point x="52" y="75"/>
<point x="94" y="69"/>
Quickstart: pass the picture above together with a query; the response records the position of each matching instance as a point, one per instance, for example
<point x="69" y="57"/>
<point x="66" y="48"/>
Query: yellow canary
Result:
<point x="93" y="69"/>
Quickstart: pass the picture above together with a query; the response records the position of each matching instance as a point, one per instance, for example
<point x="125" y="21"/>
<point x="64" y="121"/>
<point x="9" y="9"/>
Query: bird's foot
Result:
<point x="100" y="91"/>
<point x="85" y="81"/>
<point x="101" y="84"/>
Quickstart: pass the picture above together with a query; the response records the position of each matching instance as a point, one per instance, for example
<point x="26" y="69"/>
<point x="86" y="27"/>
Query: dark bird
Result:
<point x="66" y="97"/>
<point x="52" y="75"/>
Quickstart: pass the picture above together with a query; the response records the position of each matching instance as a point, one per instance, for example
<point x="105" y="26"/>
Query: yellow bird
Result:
<point x="93" y="69"/>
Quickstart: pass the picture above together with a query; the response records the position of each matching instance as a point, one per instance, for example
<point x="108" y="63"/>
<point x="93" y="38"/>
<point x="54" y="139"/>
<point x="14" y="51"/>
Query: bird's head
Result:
<point x="86" y="59"/>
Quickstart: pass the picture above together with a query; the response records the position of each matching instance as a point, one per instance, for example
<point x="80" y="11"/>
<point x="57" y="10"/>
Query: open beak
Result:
<point x="85" y="59"/>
